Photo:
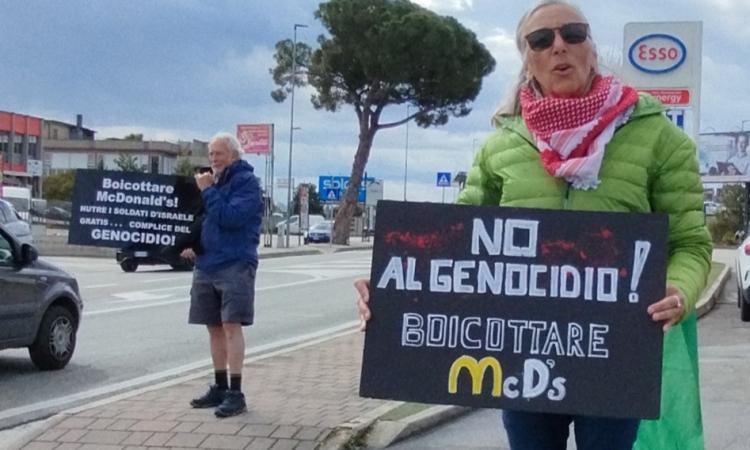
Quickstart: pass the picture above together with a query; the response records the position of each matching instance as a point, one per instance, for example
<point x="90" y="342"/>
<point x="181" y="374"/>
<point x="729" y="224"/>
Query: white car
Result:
<point x="294" y="228"/>
<point x="743" y="279"/>
<point x="711" y="208"/>
<point x="13" y="222"/>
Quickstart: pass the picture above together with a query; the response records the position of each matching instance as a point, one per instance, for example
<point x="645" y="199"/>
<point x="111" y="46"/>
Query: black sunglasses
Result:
<point x="543" y="38"/>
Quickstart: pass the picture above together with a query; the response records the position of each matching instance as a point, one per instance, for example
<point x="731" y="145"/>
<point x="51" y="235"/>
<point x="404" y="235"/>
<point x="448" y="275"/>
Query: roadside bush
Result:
<point x="727" y="226"/>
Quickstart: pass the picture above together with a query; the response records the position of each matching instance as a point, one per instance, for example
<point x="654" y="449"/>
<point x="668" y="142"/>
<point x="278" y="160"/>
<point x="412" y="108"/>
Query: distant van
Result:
<point x="20" y="198"/>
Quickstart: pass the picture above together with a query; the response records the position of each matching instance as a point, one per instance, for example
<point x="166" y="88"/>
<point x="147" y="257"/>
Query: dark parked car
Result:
<point x="40" y="305"/>
<point x="130" y="258"/>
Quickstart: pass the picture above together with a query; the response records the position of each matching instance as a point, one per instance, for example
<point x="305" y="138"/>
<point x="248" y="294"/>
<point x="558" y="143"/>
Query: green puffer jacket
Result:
<point x="649" y="165"/>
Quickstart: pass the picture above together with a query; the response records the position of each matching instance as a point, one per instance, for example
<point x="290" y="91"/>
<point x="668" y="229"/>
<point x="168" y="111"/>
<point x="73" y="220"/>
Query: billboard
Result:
<point x="256" y="138"/>
<point x="724" y="154"/>
<point x="332" y="187"/>
<point x="664" y="59"/>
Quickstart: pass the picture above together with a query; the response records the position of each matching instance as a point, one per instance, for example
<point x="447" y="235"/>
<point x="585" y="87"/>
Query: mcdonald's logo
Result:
<point x="476" y="371"/>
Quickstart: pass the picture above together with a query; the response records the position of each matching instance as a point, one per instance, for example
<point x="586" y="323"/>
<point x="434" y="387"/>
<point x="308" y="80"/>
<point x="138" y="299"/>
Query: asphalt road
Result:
<point x="724" y="355"/>
<point x="134" y="330"/>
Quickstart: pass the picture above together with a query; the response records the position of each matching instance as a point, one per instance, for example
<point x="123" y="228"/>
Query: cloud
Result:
<point x="445" y="5"/>
<point x="149" y="133"/>
<point x="502" y="46"/>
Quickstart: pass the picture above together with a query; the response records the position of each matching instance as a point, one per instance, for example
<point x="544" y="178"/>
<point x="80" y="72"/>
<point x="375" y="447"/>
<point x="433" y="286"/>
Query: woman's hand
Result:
<point x="668" y="310"/>
<point x="362" y="286"/>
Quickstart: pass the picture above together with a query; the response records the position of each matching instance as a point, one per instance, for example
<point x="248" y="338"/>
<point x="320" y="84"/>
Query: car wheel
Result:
<point x="744" y="309"/>
<point x="55" y="340"/>
<point x="129" y="265"/>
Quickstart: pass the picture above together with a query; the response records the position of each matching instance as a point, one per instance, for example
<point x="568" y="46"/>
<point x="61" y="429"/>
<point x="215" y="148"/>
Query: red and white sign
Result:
<point x="256" y="138"/>
<point x="664" y="59"/>
<point x="670" y="97"/>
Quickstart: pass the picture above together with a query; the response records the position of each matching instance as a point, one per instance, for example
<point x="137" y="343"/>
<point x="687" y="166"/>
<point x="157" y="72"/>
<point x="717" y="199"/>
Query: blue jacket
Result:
<point x="231" y="227"/>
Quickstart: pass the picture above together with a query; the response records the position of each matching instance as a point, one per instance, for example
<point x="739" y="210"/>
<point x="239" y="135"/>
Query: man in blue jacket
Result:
<point x="223" y="290"/>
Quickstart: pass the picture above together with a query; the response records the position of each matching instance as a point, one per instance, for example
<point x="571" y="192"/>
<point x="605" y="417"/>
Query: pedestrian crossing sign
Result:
<point x="443" y="179"/>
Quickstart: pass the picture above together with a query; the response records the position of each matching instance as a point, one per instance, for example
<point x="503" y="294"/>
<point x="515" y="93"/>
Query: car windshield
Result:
<point x="18" y="203"/>
<point x="322" y="226"/>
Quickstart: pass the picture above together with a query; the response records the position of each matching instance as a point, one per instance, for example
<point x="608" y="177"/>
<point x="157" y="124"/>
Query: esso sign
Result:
<point x="657" y="53"/>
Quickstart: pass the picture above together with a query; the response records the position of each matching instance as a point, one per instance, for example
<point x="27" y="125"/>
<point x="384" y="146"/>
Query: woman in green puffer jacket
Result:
<point x="570" y="138"/>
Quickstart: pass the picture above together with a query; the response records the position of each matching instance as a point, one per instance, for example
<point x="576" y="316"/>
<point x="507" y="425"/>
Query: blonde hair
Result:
<point x="511" y="106"/>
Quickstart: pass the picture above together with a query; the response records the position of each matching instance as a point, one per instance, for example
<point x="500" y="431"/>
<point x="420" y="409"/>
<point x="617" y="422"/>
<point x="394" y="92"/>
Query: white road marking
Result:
<point x="94" y="286"/>
<point x="171" y="302"/>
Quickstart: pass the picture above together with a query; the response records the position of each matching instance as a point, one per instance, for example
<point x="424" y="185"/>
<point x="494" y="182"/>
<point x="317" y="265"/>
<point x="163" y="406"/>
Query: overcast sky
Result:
<point x="185" y="69"/>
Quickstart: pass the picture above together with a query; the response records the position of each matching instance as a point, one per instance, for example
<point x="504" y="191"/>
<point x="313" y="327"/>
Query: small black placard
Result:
<point x="521" y="309"/>
<point x="131" y="209"/>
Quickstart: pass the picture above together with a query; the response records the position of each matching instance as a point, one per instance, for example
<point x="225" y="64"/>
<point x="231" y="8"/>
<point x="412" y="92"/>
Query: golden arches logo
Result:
<point x="476" y="371"/>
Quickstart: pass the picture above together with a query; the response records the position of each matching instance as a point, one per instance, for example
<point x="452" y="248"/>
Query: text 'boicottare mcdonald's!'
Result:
<point x="123" y="209"/>
<point x="516" y="308"/>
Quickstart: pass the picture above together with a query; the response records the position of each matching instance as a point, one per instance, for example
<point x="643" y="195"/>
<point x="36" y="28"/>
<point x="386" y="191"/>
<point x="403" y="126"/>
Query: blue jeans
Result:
<point x="539" y="431"/>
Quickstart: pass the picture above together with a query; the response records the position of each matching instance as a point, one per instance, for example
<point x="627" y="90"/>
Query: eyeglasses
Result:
<point x="571" y="33"/>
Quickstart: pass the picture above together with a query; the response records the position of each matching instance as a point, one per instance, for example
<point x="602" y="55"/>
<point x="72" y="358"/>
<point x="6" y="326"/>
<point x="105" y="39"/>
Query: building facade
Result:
<point x="21" y="151"/>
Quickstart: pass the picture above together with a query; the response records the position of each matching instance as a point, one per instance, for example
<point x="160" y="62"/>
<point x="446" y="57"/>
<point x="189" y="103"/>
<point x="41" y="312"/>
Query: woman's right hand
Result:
<point x="362" y="285"/>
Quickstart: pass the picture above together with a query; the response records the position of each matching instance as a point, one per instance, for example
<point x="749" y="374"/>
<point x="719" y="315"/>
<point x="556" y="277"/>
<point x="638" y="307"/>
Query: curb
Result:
<point x="383" y="433"/>
<point x="376" y="433"/>
<point x="707" y="302"/>
<point x="352" y="249"/>
<point x="17" y="437"/>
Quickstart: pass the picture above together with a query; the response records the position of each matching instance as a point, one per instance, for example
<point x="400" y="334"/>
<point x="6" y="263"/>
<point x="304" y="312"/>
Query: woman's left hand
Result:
<point x="668" y="310"/>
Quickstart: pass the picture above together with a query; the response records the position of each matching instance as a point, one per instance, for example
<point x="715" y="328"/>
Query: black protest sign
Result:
<point x="521" y="309"/>
<point x="131" y="209"/>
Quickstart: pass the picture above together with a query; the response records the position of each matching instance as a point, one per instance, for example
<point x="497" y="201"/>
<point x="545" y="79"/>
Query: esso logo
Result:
<point x="657" y="53"/>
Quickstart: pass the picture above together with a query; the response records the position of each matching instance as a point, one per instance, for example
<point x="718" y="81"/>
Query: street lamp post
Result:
<point x="406" y="151"/>
<point x="291" y="137"/>
<point x="742" y="125"/>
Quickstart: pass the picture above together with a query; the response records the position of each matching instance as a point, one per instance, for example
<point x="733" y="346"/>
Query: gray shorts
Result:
<point x="227" y="295"/>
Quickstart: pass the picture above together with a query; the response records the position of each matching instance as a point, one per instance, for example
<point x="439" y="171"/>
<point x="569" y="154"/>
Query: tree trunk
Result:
<point x="349" y="201"/>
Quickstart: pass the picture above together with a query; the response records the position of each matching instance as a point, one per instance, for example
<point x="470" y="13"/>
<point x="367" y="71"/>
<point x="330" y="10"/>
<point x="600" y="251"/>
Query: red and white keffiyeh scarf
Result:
<point x="571" y="133"/>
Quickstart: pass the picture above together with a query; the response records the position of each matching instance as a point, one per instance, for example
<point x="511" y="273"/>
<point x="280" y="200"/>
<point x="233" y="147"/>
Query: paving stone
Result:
<point x="285" y="431"/>
<point x="257" y="430"/>
<point x="226" y="442"/>
<point x="104" y="437"/>
<point x="72" y="435"/>
<point x="40" y="445"/>
<point x="137" y="438"/>
<point x="75" y="422"/>
<point x="261" y="444"/>
<point x="51" y="435"/>
<point x="219" y="428"/>
<point x="153" y="425"/>
<point x="309" y="433"/>
<point x="158" y="439"/>
<point x="192" y="440"/>
<point x="285" y="444"/>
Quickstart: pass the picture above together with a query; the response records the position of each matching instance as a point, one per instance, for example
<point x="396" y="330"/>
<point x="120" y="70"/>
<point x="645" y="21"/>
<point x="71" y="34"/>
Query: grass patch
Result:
<point x="405" y="410"/>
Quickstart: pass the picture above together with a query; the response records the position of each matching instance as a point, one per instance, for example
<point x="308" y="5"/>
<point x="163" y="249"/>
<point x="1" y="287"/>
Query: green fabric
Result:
<point x="649" y="165"/>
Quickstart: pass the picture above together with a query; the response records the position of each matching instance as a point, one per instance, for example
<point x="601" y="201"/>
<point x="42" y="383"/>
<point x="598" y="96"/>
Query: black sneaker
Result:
<point x="233" y="404"/>
<point x="213" y="397"/>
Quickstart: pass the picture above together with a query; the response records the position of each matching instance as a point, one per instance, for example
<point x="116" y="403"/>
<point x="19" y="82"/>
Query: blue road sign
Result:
<point x="332" y="187"/>
<point x="677" y="116"/>
<point x="444" y="179"/>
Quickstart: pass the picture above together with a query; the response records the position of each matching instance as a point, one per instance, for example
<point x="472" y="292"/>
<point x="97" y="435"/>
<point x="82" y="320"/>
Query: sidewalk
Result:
<point x="301" y="398"/>
<point x="295" y="400"/>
